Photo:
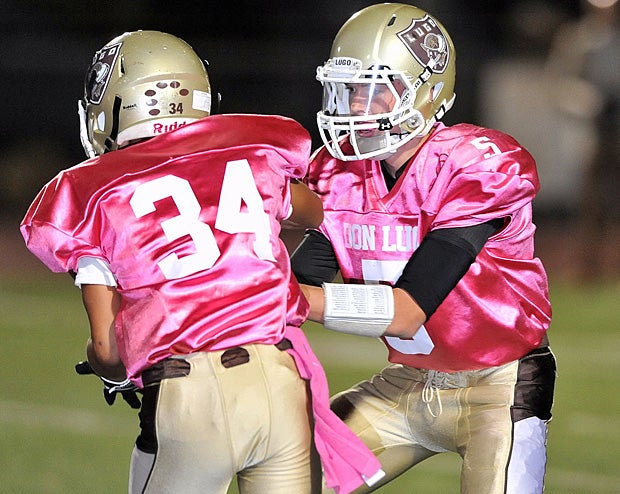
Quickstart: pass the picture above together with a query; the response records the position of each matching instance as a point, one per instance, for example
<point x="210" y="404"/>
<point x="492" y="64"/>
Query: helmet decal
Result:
<point x="99" y="72"/>
<point x="427" y="43"/>
<point x="152" y="93"/>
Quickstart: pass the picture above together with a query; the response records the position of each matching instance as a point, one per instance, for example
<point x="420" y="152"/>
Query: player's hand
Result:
<point x="126" y="388"/>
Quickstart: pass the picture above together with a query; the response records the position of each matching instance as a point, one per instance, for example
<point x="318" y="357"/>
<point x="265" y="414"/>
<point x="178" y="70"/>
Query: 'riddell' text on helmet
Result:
<point x="389" y="78"/>
<point x="139" y="85"/>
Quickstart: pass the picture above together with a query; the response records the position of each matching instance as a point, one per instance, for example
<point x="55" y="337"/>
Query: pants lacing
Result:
<point x="434" y="382"/>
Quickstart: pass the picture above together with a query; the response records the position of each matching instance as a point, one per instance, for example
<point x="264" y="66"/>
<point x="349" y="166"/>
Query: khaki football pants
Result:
<point x="495" y="419"/>
<point x="250" y="420"/>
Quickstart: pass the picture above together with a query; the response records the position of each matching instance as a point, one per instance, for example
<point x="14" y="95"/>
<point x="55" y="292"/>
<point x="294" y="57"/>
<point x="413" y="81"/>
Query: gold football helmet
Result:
<point x="386" y="52"/>
<point x="139" y="85"/>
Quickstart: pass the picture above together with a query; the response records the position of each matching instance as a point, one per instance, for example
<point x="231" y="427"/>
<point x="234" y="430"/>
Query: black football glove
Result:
<point x="126" y="388"/>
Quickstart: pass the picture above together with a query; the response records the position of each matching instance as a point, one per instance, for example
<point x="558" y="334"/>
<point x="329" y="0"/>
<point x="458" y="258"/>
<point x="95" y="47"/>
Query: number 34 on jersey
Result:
<point x="238" y="187"/>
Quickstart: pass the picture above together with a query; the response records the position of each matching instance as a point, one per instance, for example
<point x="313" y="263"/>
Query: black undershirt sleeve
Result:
<point x="441" y="260"/>
<point x="434" y="269"/>
<point x="314" y="261"/>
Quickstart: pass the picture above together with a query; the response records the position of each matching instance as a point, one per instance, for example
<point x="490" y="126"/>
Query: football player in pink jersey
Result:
<point x="430" y="227"/>
<point x="172" y="231"/>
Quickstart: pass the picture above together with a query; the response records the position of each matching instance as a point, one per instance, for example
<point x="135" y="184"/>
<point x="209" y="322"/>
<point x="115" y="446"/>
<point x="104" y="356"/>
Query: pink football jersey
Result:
<point x="463" y="175"/>
<point x="189" y="223"/>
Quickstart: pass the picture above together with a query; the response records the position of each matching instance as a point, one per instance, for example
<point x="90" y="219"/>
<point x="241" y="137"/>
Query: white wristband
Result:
<point x="364" y="310"/>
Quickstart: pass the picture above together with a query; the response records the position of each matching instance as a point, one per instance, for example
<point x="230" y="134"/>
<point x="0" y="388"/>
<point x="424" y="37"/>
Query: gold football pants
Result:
<point x="248" y="419"/>
<point x="495" y="419"/>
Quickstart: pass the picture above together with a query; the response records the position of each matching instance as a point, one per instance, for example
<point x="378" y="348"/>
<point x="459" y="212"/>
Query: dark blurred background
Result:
<point x="263" y="57"/>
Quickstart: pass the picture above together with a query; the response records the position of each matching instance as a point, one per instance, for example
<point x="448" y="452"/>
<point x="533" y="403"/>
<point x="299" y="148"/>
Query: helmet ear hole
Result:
<point x="100" y="122"/>
<point x="435" y="91"/>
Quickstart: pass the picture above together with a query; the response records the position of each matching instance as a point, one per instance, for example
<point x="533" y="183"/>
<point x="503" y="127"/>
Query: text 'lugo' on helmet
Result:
<point x="389" y="49"/>
<point x="139" y="85"/>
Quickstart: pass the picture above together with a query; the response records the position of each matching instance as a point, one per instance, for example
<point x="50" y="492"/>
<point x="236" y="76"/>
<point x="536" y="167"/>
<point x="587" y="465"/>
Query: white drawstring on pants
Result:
<point x="434" y="381"/>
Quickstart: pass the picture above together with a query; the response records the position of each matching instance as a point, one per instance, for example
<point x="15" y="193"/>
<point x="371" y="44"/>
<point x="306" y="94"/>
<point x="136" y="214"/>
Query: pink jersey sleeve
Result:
<point x="484" y="175"/>
<point x="54" y="228"/>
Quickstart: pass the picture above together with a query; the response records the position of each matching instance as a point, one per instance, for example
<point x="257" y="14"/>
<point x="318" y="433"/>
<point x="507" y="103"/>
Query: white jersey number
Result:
<point x="238" y="188"/>
<point x="484" y="143"/>
<point x="391" y="271"/>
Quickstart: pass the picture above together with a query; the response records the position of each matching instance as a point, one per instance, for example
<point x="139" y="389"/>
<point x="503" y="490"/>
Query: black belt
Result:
<point x="174" y="367"/>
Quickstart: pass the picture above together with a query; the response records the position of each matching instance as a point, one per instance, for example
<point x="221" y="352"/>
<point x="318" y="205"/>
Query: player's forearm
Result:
<point x="315" y="297"/>
<point x="110" y="367"/>
<point x="102" y="304"/>
<point x="408" y="316"/>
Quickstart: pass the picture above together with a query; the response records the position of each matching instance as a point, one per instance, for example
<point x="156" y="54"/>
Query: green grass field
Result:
<point x="58" y="436"/>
